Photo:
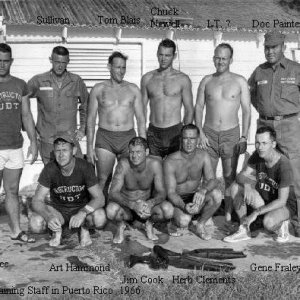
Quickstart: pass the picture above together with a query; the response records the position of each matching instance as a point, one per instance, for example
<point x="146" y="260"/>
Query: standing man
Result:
<point x="137" y="191"/>
<point x="191" y="183"/>
<point x="265" y="186"/>
<point x="274" y="87"/>
<point x="223" y="93"/>
<point x="117" y="102"/>
<point x="76" y="198"/>
<point x="58" y="93"/>
<point x="167" y="90"/>
<point x="14" y="111"/>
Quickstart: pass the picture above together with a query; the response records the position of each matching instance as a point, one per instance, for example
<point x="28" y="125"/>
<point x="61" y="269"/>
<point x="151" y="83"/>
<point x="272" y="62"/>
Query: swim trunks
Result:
<point x="114" y="141"/>
<point x="222" y="143"/>
<point x="164" y="141"/>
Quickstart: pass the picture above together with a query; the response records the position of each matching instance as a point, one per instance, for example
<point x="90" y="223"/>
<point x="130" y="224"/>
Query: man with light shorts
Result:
<point x="14" y="111"/>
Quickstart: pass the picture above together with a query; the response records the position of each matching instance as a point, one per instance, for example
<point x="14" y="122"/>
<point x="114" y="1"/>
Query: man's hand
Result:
<point x="33" y="151"/>
<point x="241" y="146"/>
<point x="91" y="155"/>
<point x="248" y="220"/>
<point x="79" y="134"/>
<point x="77" y="220"/>
<point x="54" y="224"/>
<point x="142" y="209"/>
<point x="192" y="208"/>
<point x="204" y="143"/>
<point x="199" y="197"/>
<point x="249" y="194"/>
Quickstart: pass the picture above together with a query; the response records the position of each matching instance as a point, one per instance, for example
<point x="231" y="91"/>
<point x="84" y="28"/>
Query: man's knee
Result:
<point x="99" y="218"/>
<point x="270" y="223"/>
<point x="216" y="196"/>
<point x="112" y="210"/>
<point x="184" y="220"/>
<point x="167" y="209"/>
<point x="37" y="224"/>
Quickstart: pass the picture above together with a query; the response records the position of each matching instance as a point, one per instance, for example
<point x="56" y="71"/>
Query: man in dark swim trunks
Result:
<point x="187" y="191"/>
<point x="76" y="198"/>
<point x="117" y="102"/>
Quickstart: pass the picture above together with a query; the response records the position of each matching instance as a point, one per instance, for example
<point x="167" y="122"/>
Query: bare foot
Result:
<point x="173" y="230"/>
<point x="119" y="236"/>
<point x="85" y="239"/>
<point x="149" y="231"/>
<point x="55" y="241"/>
<point x="201" y="232"/>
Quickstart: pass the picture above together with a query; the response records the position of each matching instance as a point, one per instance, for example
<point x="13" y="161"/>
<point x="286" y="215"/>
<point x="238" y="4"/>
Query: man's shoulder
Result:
<point x="173" y="158"/>
<point x="237" y="77"/>
<point x="51" y="168"/>
<point x="82" y="163"/>
<point x="181" y="76"/>
<point x="17" y="80"/>
<point x="291" y="63"/>
<point x="130" y="85"/>
<point x="41" y="76"/>
<point x="74" y="77"/>
<point x="147" y="76"/>
<point x="153" y="162"/>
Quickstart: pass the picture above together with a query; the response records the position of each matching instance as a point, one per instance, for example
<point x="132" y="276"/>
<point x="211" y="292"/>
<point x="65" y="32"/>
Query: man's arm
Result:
<point x="247" y="177"/>
<point x="283" y="194"/>
<point x="139" y="113"/>
<point x="38" y="202"/>
<point x="116" y="186"/>
<point x="253" y="90"/>
<point x="199" y="108"/>
<point x="159" y="187"/>
<point x="83" y="100"/>
<point x="210" y="182"/>
<point x="144" y="91"/>
<point x="187" y="99"/>
<point x="246" y="107"/>
<point x="28" y="123"/>
<point x="91" y="120"/>
<point x="171" y="183"/>
<point x="97" y="201"/>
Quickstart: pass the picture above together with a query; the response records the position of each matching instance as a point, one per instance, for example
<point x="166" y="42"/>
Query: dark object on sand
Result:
<point x="208" y="259"/>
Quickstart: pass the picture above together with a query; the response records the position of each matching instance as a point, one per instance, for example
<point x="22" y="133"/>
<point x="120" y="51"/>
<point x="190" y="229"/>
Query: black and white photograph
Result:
<point x="149" y="149"/>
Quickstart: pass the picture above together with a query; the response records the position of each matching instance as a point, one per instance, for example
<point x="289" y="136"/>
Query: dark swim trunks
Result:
<point x="66" y="212"/>
<point x="222" y="143"/>
<point x="187" y="198"/>
<point x="114" y="141"/>
<point x="164" y="141"/>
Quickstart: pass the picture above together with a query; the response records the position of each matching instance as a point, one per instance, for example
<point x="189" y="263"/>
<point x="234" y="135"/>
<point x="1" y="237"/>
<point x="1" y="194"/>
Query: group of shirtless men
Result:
<point x="168" y="172"/>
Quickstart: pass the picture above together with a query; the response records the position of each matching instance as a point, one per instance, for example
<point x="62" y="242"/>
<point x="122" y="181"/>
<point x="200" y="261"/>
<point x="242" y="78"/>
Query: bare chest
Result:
<point x="222" y="91"/>
<point x="161" y="87"/>
<point x="116" y="98"/>
<point x="139" y="181"/>
<point x="190" y="171"/>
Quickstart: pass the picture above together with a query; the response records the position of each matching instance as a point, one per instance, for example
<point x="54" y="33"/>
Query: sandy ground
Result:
<point x="40" y="270"/>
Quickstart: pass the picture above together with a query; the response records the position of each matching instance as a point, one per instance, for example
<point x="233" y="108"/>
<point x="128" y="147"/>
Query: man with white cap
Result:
<point x="274" y="87"/>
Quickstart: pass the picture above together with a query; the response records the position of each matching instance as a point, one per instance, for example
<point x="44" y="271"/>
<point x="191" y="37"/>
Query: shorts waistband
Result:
<point x="278" y="118"/>
<point x="154" y="128"/>
<point x="221" y="131"/>
<point x="120" y="133"/>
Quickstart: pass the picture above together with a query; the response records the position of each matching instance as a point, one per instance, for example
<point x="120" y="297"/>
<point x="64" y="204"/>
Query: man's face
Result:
<point x="165" y="57"/>
<point x="273" y="54"/>
<point x="117" y="69"/>
<point x="137" y="154"/>
<point x="59" y="64"/>
<point x="5" y="63"/>
<point x="264" y="145"/>
<point x="189" y="140"/>
<point x="222" y="59"/>
<point x="64" y="152"/>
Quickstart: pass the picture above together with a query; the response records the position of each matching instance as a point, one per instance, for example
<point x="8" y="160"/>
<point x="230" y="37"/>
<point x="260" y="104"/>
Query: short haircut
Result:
<point x="116" y="54"/>
<point x="167" y="43"/>
<point x="138" y="141"/>
<point x="190" y="127"/>
<point x="269" y="129"/>
<point x="60" y="50"/>
<point x="4" y="48"/>
<point x="226" y="46"/>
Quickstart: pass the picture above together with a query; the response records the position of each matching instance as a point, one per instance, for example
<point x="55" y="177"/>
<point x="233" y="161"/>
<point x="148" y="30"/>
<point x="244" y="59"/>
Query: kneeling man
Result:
<point x="184" y="171"/>
<point x="131" y="196"/>
<point x="265" y="186"/>
<point x="76" y="198"/>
